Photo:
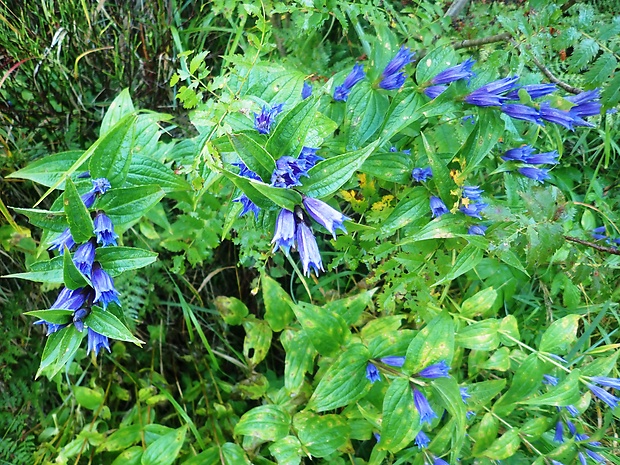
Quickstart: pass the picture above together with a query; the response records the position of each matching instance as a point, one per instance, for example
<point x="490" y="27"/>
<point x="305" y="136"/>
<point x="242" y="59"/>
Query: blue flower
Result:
<point x="571" y="427"/>
<point x="325" y="215"/>
<point x="555" y="462"/>
<point x="422" y="440"/>
<point x="517" y="154"/>
<point x="372" y="373"/>
<point x="464" y="394"/>
<point x="308" y="249"/>
<point x="78" y="318"/>
<point x="472" y="192"/>
<point x="553" y="115"/>
<point x="522" y="112"/>
<point x="455" y="73"/>
<point x="439" y="461"/>
<point x="64" y="239"/>
<point x="599" y="233"/>
<point x="437" y="206"/>
<point x="473" y="209"/>
<point x="537" y="174"/>
<point x="284" y="235"/>
<point x="436" y="370"/>
<point x="550" y="380"/>
<point x="545" y="158"/>
<point x="477" y="230"/>
<point x="97" y="341"/>
<point x="572" y="410"/>
<point x="248" y="205"/>
<point x="586" y="104"/>
<point x="434" y="91"/>
<point x="342" y="91"/>
<point x="51" y="327"/>
<point x="105" y="292"/>
<point x="264" y="119"/>
<point x="534" y="90"/>
<point x="606" y="381"/>
<point x="72" y="299"/>
<point x="422" y="174"/>
<point x="559" y="432"/>
<point x="100" y="187"/>
<point x="104" y="230"/>
<point x="393" y="361"/>
<point x="582" y="458"/>
<point x="84" y="257"/>
<point x="306" y="90"/>
<point x="392" y="78"/>
<point x="308" y="158"/>
<point x="608" y="398"/>
<point x="288" y="172"/>
<point x="595" y="456"/>
<point x="490" y="95"/>
<point x="421" y="404"/>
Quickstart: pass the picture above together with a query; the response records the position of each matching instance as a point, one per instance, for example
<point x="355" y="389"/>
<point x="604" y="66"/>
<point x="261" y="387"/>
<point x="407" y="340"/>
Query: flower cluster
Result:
<point x="341" y="92"/>
<point x="100" y="288"/>
<point x="471" y="201"/>
<point x="437" y="85"/>
<point x="600" y="234"/>
<point x="392" y="77"/>
<point x="526" y="159"/>
<point x="265" y="119"/>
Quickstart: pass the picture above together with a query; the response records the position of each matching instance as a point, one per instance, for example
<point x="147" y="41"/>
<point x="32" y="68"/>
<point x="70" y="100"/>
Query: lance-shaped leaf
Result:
<point x="107" y="324"/>
<point x="126" y="205"/>
<point x="78" y="216"/>
<point x="398" y="405"/>
<point x="267" y="422"/>
<point x="253" y="155"/>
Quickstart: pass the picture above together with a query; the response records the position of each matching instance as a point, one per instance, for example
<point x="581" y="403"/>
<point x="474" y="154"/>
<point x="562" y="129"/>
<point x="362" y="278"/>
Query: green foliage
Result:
<point x="235" y="355"/>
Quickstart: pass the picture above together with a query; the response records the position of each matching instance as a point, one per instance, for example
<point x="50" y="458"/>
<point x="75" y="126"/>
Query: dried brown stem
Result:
<point x="600" y="248"/>
<point x="552" y="78"/>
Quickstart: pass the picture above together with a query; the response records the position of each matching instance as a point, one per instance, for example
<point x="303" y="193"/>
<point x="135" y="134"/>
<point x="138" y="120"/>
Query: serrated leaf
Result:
<point x="78" y="216"/>
<point x="585" y="50"/>
<point x="331" y="174"/>
<point x="600" y="70"/>
<point x="106" y="323"/>
<point x="117" y="260"/>
<point x="267" y="422"/>
<point x="611" y="94"/>
<point x="344" y="382"/>
<point x="398" y="404"/>
<point x="327" y="330"/>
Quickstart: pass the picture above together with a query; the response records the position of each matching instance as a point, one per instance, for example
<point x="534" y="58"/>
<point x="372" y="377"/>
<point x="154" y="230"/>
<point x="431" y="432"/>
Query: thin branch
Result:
<point x="564" y="8"/>
<point x="600" y="248"/>
<point x="456" y="8"/>
<point x="485" y="40"/>
<point x="552" y="78"/>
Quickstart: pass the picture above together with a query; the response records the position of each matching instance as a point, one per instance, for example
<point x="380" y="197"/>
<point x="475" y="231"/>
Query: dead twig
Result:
<point x="600" y="248"/>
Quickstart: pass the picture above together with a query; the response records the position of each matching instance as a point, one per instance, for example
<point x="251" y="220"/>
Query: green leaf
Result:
<point x="232" y="310"/>
<point x="611" y="95"/>
<point x="351" y="308"/>
<point x="479" y="304"/>
<point x="511" y="259"/>
<point x="57" y="316"/>
<point x="300" y="355"/>
<point x="469" y="257"/>
<point x="365" y="110"/>
<point x="122" y="438"/>
<point x="264" y="195"/>
<point x="565" y="393"/>
<point x="117" y="260"/>
<point x="438" y="228"/>
<point x="290" y="133"/>
<point x="449" y="392"/>
<point x="165" y="450"/>
<point x="88" y="398"/>
<point x="72" y="277"/>
<point x="485" y="434"/>
<point x="397" y="405"/>
<point x="233" y="454"/>
<point x="403" y="111"/>
<point x="278" y="311"/>
<point x="559" y="336"/>
<point x="53" y="221"/>
<point x="60" y="347"/>
<point x="49" y="169"/>
<point x="78" y="216"/>
<point x="48" y="271"/>
<point x="344" y="382"/>
<point x="600" y="71"/>
<point x="482" y="335"/>
<point x="436" y="61"/>
<point x="527" y="379"/>
<point x="105" y="323"/>
<point x="509" y="331"/>
<point x="131" y="456"/>
<point x="144" y="171"/>
<point x="331" y="174"/>
<point x="321" y="435"/>
<point x="327" y="330"/>
<point x="112" y="156"/>
<point x="414" y="206"/>
<point x="441" y="173"/>
<point x="253" y="155"/>
<point x="433" y="343"/>
<point x="126" y="205"/>
<point x="585" y="50"/>
<point x="267" y="422"/>
<point x="257" y="340"/>
<point x="393" y="167"/>
<point x="505" y="446"/>
<point x="482" y="139"/>
<point x="287" y="451"/>
<point x="121" y="106"/>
